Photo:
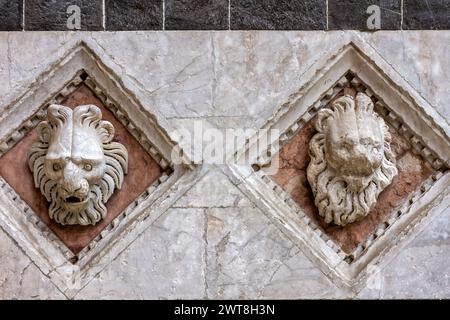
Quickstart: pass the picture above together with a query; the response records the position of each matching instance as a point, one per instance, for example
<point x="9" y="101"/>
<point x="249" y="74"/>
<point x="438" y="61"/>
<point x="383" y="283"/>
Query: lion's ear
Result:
<point x="105" y="131"/>
<point x="364" y="103"/>
<point x="44" y="131"/>
<point x="323" y="115"/>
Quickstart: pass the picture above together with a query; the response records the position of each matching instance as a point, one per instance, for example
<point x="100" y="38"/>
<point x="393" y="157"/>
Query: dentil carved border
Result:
<point x="124" y="98"/>
<point x="356" y="64"/>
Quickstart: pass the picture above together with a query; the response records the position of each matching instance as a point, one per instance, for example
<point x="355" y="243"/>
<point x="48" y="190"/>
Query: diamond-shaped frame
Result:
<point x="124" y="98"/>
<point x="403" y="108"/>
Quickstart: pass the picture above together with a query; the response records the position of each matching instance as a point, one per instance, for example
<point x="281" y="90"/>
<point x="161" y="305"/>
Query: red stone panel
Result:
<point x="294" y="160"/>
<point x="143" y="170"/>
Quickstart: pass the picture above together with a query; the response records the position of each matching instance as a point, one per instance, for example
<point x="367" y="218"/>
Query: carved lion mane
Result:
<point x="76" y="165"/>
<point x="351" y="159"/>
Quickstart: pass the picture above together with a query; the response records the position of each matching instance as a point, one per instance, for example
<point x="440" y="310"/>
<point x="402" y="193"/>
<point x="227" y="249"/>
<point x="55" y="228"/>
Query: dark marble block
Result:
<point x="196" y="14"/>
<point x="10" y="15"/>
<point x="426" y="15"/>
<point x="278" y="15"/>
<point x="352" y="14"/>
<point x="52" y="14"/>
<point x="134" y="14"/>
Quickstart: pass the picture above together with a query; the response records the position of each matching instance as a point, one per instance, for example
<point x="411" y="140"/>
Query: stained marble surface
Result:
<point x="214" y="242"/>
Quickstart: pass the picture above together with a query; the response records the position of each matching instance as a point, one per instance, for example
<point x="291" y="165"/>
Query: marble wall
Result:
<point x="214" y="241"/>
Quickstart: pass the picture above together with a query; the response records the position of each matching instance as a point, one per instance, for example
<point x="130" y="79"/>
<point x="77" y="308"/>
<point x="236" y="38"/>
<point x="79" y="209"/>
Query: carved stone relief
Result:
<point x="76" y="165"/>
<point x="401" y="202"/>
<point x="413" y="171"/>
<point x="351" y="159"/>
<point x="71" y="255"/>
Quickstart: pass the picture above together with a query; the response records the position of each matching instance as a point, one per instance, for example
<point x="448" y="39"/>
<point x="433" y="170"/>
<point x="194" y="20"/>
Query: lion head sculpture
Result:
<point x="351" y="159"/>
<point x="76" y="165"/>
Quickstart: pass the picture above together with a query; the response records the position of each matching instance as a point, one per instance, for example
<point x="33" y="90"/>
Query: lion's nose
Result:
<point x="362" y="164"/>
<point x="73" y="184"/>
<point x="74" y="192"/>
<point x="78" y="189"/>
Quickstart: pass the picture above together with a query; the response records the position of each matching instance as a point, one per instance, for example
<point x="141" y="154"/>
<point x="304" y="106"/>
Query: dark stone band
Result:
<point x="114" y="15"/>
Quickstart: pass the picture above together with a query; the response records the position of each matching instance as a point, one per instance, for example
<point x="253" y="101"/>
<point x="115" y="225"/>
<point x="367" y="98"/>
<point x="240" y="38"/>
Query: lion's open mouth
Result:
<point x="74" y="202"/>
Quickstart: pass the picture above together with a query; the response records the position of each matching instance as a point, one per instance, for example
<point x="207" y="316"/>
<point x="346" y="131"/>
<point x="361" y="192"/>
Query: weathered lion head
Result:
<point x="351" y="159"/>
<point x="76" y="164"/>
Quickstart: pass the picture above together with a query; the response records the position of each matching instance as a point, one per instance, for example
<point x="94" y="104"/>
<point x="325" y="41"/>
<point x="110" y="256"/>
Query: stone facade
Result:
<point x="197" y="229"/>
<point x="127" y="15"/>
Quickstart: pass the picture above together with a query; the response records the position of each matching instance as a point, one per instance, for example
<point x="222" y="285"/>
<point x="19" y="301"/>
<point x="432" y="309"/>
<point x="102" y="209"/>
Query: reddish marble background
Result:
<point x="142" y="172"/>
<point x="294" y="160"/>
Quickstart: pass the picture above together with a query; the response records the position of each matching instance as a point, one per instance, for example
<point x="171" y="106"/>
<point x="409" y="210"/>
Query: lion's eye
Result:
<point x="56" y="167"/>
<point x="87" y="167"/>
